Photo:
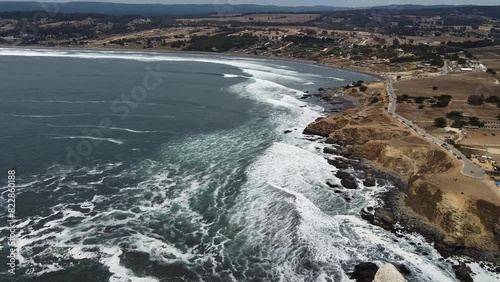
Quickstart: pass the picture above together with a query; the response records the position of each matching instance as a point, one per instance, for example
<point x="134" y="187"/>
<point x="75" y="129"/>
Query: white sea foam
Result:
<point x="284" y="209"/>
<point x="115" y="141"/>
<point x="120" y="273"/>
<point x="107" y="128"/>
<point x="228" y="75"/>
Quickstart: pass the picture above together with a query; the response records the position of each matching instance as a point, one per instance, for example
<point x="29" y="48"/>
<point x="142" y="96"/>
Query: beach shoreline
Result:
<point x="223" y="54"/>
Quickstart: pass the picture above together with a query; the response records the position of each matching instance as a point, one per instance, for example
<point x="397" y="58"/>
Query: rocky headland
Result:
<point x="431" y="197"/>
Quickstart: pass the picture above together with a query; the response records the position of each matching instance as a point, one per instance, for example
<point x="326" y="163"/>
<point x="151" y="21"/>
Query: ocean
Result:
<point x="144" y="166"/>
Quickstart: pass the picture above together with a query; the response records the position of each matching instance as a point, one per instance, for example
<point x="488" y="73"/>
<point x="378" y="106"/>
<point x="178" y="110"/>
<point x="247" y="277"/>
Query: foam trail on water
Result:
<point x="115" y="141"/>
<point x="106" y="128"/>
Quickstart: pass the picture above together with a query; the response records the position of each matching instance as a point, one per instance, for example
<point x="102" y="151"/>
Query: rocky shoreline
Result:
<point x="394" y="215"/>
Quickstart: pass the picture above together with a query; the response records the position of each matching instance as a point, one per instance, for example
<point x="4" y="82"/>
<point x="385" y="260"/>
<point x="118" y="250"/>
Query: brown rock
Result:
<point x="347" y="180"/>
<point x="338" y="163"/>
<point x="462" y="272"/>
<point x="384" y="219"/>
<point x="330" y="150"/>
<point x="369" y="181"/>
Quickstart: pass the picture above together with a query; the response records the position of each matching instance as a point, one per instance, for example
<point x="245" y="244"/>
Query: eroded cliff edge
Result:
<point x="458" y="213"/>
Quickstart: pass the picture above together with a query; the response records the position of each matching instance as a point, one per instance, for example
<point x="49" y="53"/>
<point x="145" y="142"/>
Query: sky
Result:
<point x="336" y="3"/>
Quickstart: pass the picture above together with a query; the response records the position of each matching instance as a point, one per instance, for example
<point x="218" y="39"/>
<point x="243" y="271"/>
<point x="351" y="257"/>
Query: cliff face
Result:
<point x="388" y="147"/>
<point x="437" y="195"/>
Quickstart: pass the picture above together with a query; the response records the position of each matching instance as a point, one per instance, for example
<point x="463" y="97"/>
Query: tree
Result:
<point x="310" y="31"/>
<point x="440" y="122"/>
<point x="443" y="101"/>
<point x="458" y="123"/>
<point x="420" y="99"/>
<point x="492" y="99"/>
<point x="474" y="121"/>
<point x="455" y="115"/>
<point x="491" y="71"/>
<point x="475" y="100"/>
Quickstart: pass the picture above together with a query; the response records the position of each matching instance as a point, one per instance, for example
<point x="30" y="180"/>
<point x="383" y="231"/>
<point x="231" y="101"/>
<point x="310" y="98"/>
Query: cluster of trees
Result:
<point x="220" y="42"/>
<point x="405" y="97"/>
<point x="307" y="40"/>
<point x="440" y="101"/>
<point x="421" y="52"/>
<point x="458" y="120"/>
<point x="33" y="30"/>
<point x="478" y="100"/>
<point x="461" y="21"/>
<point x="473" y="44"/>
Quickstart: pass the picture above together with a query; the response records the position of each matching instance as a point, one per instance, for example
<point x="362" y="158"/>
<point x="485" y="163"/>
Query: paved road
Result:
<point x="444" y="71"/>
<point x="469" y="168"/>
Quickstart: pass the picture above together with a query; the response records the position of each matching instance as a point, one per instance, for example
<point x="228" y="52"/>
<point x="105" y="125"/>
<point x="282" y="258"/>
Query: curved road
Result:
<point x="469" y="168"/>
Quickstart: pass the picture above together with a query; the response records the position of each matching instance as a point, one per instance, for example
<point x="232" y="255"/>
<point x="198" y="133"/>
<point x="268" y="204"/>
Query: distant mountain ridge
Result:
<point x="198" y="9"/>
<point x="159" y="9"/>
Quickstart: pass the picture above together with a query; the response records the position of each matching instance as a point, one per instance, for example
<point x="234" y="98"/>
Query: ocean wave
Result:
<point x="233" y="75"/>
<point x="258" y="68"/>
<point x="115" y="141"/>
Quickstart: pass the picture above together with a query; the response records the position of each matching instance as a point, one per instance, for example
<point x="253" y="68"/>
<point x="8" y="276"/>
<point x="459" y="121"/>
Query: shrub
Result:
<point x="474" y="121"/>
<point x="443" y="101"/>
<point x="492" y="99"/>
<point x="455" y="115"/>
<point x="458" y="123"/>
<point x="491" y="71"/>
<point x="440" y="122"/>
<point x="475" y="100"/>
<point x="420" y="99"/>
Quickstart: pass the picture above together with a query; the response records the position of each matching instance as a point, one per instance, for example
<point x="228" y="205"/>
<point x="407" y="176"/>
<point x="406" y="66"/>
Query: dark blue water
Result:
<point x="156" y="167"/>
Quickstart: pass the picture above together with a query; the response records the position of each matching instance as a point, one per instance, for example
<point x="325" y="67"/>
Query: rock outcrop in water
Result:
<point x="364" y="272"/>
<point x="347" y="180"/>
<point x="462" y="273"/>
<point x="388" y="273"/>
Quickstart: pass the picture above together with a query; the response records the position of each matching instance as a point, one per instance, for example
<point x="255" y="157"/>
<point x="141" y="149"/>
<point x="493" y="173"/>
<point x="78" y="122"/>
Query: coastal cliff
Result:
<point x="435" y="199"/>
